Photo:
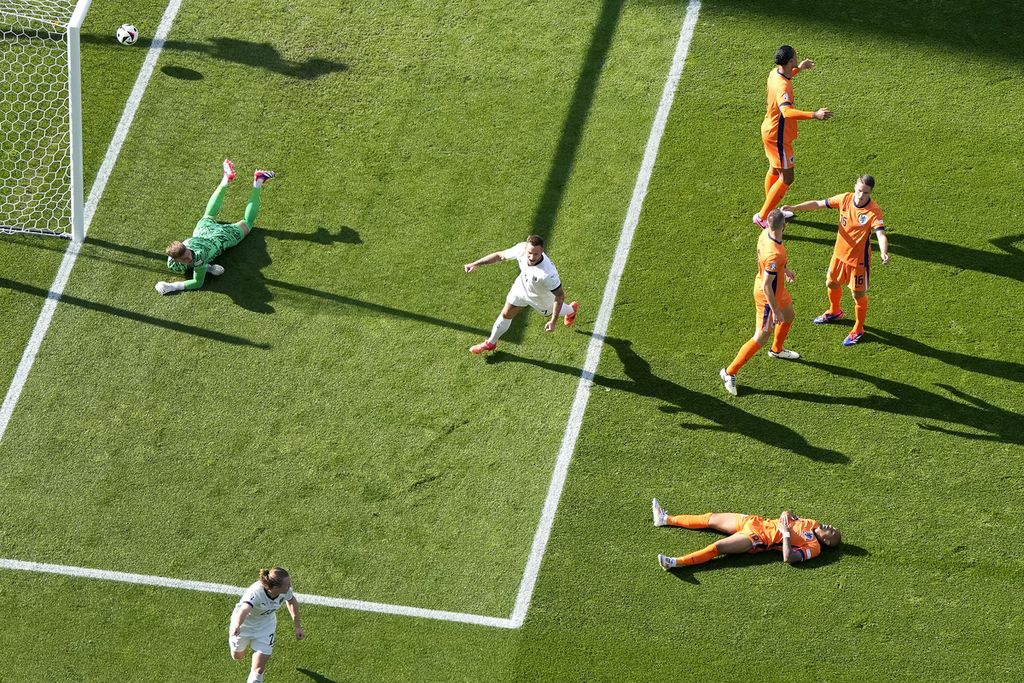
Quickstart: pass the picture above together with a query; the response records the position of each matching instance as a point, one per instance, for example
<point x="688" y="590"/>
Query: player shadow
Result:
<point x="344" y="235"/>
<point x="171" y="325"/>
<point x="566" y="149"/>
<point x="828" y="556"/>
<point x="988" y="422"/>
<point x="1009" y="264"/>
<point x="988" y="30"/>
<point x="244" y="52"/>
<point x="1000" y="369"/>
<point x="724" y="416"/>
<point x="319" y="678"/>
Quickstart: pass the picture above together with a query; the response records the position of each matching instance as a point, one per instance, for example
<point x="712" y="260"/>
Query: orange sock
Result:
<point x="835" y="300"/>
<point x="861" y="314"/>
<point x="699" y="557"/>
<point x="781" y="331"/>
<point x="773" y="198"/>
<point x="690" y="521"/>
<point x="769" y="180"/>
<point x="747" y="352"/>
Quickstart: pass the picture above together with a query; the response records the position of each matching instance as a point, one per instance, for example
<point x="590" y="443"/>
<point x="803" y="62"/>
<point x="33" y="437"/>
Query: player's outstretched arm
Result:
<point x="559" y="293"/>
<point x="490" y="259"/>
<point x="198" y="278"/>
<point x="811" y="205"/>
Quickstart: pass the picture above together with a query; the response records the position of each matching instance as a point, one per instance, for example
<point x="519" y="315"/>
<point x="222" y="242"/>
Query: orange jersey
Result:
<point x="775" y="129"/>
<point x="771" y="266"/>
<point x="853" y="243"/>
<point x="765" y="535"/>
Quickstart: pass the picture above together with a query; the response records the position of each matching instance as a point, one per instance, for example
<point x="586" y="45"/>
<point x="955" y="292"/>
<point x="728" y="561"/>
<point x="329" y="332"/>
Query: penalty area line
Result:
<point x="60" y="281"/>
<point x="207" y="587"/>
<point x="604" y="314"/>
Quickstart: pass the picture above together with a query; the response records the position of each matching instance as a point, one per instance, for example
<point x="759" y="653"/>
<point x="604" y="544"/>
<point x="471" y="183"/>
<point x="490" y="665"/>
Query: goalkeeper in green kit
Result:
<point x="210" y="239"/>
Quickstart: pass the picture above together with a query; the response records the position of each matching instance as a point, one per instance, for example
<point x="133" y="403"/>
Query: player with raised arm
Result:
<point x="778" y="130"/>
<point x="773" y="305"/>
<point x="798" y="539"/>
<point x="538" y="286"/>
<point x="254" y="619"/>
<point x="210" y="239"/>
<point x="859" y="216"/>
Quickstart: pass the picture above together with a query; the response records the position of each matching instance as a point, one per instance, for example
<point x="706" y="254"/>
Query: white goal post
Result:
<point x="41" y="184"/>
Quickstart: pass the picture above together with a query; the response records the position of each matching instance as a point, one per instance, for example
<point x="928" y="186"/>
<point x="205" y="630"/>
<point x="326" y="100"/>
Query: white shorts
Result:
<point x="259" y="642"/>
<point x="518" y="296"/>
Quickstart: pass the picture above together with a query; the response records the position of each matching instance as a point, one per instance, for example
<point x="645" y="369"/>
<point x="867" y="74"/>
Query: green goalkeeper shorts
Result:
<point x="224" y="235"/>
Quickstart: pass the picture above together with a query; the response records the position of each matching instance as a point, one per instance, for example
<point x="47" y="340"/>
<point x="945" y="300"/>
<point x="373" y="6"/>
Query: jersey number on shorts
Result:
<point x="859" y="280"/>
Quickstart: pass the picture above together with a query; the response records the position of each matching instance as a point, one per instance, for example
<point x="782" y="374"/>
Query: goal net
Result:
<point x="40" y="117"/>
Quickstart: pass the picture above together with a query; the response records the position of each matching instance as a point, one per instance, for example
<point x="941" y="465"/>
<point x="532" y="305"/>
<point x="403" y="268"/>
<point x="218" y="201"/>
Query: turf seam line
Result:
<point x="579" y="404"/>
<point x="208" y="587"/>
<point x="56" y="290"/>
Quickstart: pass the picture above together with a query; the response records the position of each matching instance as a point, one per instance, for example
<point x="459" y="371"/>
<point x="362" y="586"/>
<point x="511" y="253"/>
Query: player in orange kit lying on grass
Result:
<point x="798" y="539"/>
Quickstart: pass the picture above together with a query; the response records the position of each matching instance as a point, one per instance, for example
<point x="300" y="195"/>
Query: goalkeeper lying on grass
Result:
<point x="210" y="239"/>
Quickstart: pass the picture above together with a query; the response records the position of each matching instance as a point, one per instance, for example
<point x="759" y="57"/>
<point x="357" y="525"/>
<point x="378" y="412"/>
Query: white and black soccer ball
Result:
<point x="127" y="34"/>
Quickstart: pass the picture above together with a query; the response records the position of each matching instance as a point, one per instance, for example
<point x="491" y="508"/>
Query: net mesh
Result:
<point x="35" y="128"/>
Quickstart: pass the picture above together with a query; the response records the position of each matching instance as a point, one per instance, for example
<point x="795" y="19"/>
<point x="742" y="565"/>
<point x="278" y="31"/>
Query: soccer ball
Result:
<point x="127" y="34"/>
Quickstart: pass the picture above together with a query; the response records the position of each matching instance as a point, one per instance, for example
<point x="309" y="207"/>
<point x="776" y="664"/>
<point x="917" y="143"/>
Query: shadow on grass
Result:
<point x="244" y="52"/>
<point x="828" y="556"/>
<point x="319" y="678"/>
<point x="990" y="422"/>
<point x="134" y="315"/>
<point x="1009" y="264"/>
<point x="252" y="290"/>
<point x="725" y="416"/>
<point x="991" y="29"/>
<point x="1001" y="369"/>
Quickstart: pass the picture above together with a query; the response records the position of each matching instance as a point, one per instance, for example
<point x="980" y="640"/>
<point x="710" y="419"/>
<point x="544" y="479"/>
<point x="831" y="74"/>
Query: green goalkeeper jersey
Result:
<point x="209" y="240"/>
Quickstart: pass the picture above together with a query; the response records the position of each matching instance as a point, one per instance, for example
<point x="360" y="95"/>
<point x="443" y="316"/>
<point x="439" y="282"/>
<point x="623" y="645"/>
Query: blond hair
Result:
<point x="176" y="249"/>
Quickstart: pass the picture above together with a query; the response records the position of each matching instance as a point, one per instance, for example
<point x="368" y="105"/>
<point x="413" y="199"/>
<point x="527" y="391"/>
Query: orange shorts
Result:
<point x="855" y="277"/>
<point x="762" y="533"/>
<point x="763" y="312"/>
<point x="780" y="154"/>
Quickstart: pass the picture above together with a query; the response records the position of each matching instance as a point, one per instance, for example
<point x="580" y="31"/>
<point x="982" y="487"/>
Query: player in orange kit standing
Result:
<point x="773" y="306"/>
<point x="798" y="539"/>
<point x="859" y="216"/>
<point x="778" y="130"/>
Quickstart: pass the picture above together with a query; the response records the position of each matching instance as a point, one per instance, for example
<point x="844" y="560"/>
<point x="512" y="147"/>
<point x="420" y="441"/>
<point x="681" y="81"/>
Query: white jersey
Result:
<point x="537" y="281"/>
<point x="263" y="617"/>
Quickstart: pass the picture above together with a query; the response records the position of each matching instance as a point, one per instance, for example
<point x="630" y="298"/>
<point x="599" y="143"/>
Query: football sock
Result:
<point x="689" y="521"/>
<point x="747" y="352"/>
<point x="860" y="313"/>
<point x="775" y="195"/>
<point x="835" y="299"/>
<point x="216" y="199"/>
<point x="780" y="336"/>
<point x="769" y="180"/>
<point x="253" y="207"/>
<point x="500" y="327"/>
<point x="566" y="310"/>
<point x="254" y="677"/>
<point x="699" y="557"/>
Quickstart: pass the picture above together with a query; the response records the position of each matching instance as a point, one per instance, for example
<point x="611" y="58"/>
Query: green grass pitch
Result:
<point x="316" y="406"/>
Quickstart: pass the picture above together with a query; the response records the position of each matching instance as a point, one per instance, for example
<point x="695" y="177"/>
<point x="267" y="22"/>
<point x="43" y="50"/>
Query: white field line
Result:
<point x="205" y="587"/>
<point x="569" y="438"/>
<point x="604" y="314"/>
<point x="103" y="175"/>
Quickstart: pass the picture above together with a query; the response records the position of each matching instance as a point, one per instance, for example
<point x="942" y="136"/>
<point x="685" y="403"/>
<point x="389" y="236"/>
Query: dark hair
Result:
<point x="272" y="578"/>
<point x="867" y="180"/>
<point x="775" y="219"/>
<point x="535" y="240"/>
<point x="176" y="249"/>
<point x="784" y="54"/>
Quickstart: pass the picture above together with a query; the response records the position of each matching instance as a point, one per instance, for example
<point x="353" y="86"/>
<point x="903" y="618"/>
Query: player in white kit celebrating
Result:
<point x="254" y="619"/>
<point x="538" y="286"/>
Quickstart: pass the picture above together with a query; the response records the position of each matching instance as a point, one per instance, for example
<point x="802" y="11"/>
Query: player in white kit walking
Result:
<point x="254" y="619"/>
<point x="538" y="286"/>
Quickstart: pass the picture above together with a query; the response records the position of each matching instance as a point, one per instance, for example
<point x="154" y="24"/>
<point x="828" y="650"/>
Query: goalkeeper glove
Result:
<point x="168" y="287"/>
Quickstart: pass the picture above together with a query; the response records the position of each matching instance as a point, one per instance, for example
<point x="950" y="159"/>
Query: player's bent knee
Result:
<point x="238" y="656"/>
